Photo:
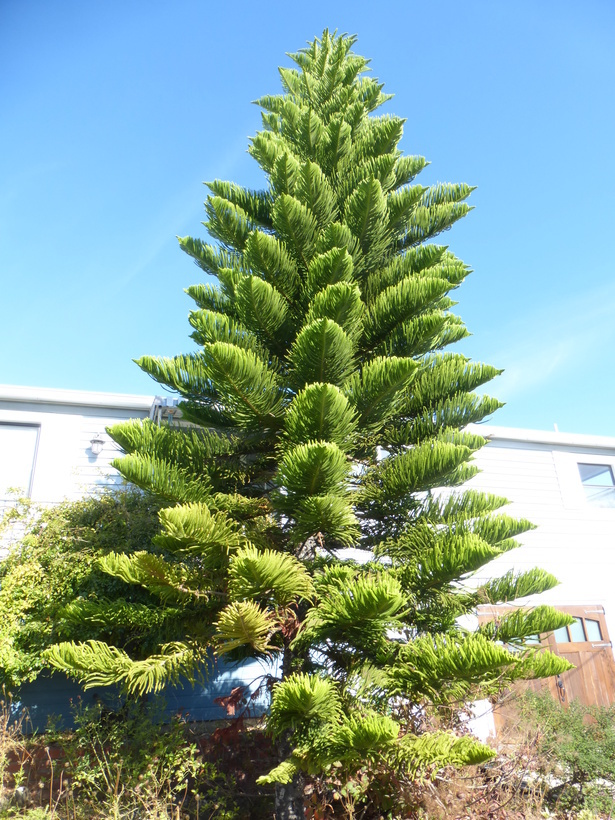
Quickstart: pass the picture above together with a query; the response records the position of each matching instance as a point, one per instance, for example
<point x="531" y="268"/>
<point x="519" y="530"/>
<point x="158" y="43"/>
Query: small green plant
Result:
<point x="577" y="748"/>
<point x="15" y="767"/>
<point x="115" y="765"/>
<point x="136" y="767"/>
<point x="12" y="749"/>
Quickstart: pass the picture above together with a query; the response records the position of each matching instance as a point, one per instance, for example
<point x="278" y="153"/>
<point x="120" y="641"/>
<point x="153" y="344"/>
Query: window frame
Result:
<point x="592" y="612"/>
<point x="37" y="427"/>
<point x="569" y="477"/>
<point x="607" y="468"/>
<point x="588" y="612"/>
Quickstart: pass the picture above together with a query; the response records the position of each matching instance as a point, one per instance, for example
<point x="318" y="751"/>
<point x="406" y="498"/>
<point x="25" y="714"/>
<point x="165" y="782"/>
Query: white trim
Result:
<point x="543" y="437"/>
<point x="79" y="398"/>
<point x="132" y="401"/>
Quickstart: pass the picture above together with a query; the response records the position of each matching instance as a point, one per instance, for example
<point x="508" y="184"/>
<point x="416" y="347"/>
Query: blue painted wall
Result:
<point x="55" y="696"/>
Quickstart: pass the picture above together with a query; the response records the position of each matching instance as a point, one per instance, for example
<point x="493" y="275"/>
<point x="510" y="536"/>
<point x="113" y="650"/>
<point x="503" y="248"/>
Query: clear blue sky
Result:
<point x="113" y="113"/>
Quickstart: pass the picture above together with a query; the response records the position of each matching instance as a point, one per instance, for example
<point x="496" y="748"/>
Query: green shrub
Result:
<point x="114" y="764"/>
<point x="577" y="747"/>
<point x="52" y="571"/>
<point x="131" y="764"/>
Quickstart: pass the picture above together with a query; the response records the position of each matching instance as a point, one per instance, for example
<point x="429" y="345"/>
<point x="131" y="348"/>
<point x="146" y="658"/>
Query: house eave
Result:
<point x="16" y="394"/>
<point x="543" y="437"/>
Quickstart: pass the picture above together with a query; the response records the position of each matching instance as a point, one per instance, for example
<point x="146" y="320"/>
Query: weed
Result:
<point x="115" y="765"/>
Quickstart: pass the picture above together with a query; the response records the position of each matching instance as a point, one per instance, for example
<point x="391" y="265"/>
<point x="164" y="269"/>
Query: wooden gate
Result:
<point x="586" y="644"/>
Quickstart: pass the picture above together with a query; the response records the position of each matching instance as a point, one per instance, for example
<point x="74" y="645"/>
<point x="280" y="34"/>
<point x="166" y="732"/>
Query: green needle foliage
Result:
<point x="327" y="413"/>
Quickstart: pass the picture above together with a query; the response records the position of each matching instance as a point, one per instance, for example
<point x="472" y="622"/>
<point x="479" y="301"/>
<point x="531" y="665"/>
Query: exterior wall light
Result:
<point x="97" y="444"/>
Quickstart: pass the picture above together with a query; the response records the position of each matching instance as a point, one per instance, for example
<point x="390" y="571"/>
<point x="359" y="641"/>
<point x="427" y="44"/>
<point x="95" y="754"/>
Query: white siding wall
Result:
<point x="64" y="466"/>
<point x="574" y="539"/>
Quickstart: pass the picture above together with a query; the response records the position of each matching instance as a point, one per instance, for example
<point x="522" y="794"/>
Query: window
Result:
<point x="592" y="629"/>
<point x="579" y="631"/>
<point x="598" y="483"/>
<point x="17" y="453"/>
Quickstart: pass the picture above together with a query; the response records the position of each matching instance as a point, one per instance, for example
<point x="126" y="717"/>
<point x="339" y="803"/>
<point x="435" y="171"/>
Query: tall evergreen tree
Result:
<point x="325" y="415"/>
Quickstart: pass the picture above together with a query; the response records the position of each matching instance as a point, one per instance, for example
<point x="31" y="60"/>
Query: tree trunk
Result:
<point x="289" y="797"/>
<point x="289" y="802"/>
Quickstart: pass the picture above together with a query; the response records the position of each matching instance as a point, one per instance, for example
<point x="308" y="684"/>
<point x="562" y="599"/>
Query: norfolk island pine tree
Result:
<point x="327" y="412"/>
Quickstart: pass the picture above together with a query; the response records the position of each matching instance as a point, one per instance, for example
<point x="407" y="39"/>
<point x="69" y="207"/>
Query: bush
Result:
<point x="115" y="764"/>
<point x="129" y="761"/>
<point x="576" y="747"/>
<point x="54" y="565"/>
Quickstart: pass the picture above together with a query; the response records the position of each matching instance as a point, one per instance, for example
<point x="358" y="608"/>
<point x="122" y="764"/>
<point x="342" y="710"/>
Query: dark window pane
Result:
<point x="592" y="628"/>
<point x="576" y="631"/>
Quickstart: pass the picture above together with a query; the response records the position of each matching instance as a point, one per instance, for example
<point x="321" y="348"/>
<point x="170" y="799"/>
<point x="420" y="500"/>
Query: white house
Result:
<point x="53" y="444"/>
<point x="564" y="483"/>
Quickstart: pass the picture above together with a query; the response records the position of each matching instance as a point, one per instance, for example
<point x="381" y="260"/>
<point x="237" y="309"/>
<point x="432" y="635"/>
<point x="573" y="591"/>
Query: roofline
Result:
<point x="79" y="398"/>
<point x="543" y="437"/>
<point x="131" y="401"/>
